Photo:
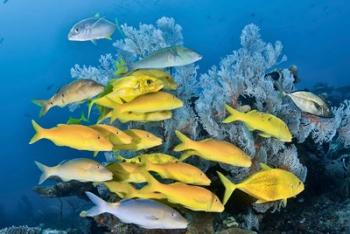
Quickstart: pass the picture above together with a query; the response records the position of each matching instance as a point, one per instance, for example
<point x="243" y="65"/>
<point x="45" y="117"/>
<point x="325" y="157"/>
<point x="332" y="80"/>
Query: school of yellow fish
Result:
<point x="141" y="96"/>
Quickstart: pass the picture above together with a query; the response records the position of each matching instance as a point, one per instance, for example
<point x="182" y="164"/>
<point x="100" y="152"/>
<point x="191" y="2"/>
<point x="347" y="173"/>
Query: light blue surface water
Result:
<point x="36" y="57"/>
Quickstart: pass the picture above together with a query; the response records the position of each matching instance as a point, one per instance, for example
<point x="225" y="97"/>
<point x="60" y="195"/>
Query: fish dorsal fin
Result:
<point x="208" y="139"/>
<point x="265" y="166"/>
<point x="260" y="201"/>
<point x="284" y="202"/>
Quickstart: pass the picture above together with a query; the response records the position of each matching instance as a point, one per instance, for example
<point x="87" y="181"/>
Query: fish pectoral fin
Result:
<point x="265" y="135"/>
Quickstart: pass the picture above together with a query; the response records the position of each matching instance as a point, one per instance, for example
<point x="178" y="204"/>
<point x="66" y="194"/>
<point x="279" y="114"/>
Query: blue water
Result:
<point x="36" y="57"/>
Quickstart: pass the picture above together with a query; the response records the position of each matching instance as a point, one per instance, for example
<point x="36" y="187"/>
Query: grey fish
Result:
<point x="74" y="92"/>
<point x="310" y="103"/>
<point x="91" y="29"/>
<point x="168" y="57"/>
<point x="80" y="169"/>
<point x="145" y="213"/>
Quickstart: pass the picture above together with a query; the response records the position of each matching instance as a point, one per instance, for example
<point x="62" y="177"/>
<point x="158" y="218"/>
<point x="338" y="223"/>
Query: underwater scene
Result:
<point x="175" y="116"/>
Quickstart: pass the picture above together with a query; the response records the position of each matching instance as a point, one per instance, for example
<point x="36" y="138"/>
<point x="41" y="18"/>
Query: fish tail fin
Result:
<point x="186" y="142"/>
<point x="46" y="171"/>
<point x="100" y="207"/>
<point x="229" y="187"/>
<point x="90" y="105"/>
<point x="152" y="182"/>
<point x="120" y="66"/>
<point x="44" y="106"/>
<point x="235" y="115"/>
<point x="38" y="133"/>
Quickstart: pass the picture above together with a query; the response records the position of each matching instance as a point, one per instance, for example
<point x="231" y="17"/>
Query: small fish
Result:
<point x="78" y="137"/>
<point x="266" y="185"/>
<point x="139" y="117"/>
<point x="92" y="29"/>
<point x="74" y="92"/>
<point x="144" y="213"/>
<point x="115" y="135"/>
<point x="140" y="140"/>
<point x="179" y="171"/>
<point x="308" y="102"/>
<point x="266" y="124"/>
<point x="123" y="189"/>
<point x="168" y="57"/>
<point x="157" y="158"/>
<point x="165" y="77"/>
<point x="153" y="102"/>
<point x="190" y="196"/>
<point x="213" y="150"/>
<point x="2" y="40"/>
<point x="80" y="169"/>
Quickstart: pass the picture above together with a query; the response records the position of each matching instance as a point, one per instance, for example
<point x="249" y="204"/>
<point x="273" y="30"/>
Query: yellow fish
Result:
<point x="266" y="185"/>
<point x="78" y="137"/>
<point x="123" y="189"/>
<point x="157" y="158"/>
<point x="152" y="102"/>
<point x="213" y="150"/>
<point x="190" y="196"/>
<point x="165" y="77"/>
<point x="140" y="140"/>
<point x="139" y="117"/>
<point x="126" y="172"/>
<point x="115" y="135"/>
<point x="266" y="124"/>
<point x="182" y="172"/>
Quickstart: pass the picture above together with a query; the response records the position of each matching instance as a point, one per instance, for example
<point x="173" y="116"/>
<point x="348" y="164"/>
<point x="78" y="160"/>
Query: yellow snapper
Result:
<point x="74" y="136"/>
<point x="190" y="196"/>
<point x="80" y="169"/>
<point x="213" y="150"/>
<point x="179" y="171"/>
<point x="115" y="135"/>
<point x="157" y="158"/>
<point x="126" y="172"/>
<point x="266" y="124"/>
<point x="125" y="117"/>
<point x="74" y="92"/>
<point x="165" y="77"/>
<point x="152" y="102"/>
<point x="123" y="189"/>
<point x="140" y="140"/>
<point x="266" y="185"/>
<point x="145" y="213"/>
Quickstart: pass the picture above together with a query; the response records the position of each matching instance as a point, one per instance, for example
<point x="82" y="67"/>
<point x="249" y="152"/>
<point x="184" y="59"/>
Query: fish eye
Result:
<point x="147" y="135"/>
<point x="62" y="95"/>
<point x="98" y="137"/>
<point x="117" y="132"/>
<point x="76" y="30"/>
<point x="149" y="82"/>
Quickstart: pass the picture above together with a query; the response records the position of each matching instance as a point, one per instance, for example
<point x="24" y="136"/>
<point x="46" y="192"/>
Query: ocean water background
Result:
<point x="36" y="57"/>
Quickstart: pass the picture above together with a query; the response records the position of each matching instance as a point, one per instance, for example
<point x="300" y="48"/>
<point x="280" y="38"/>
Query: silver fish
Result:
<point x="80" y="169"/>
<point x="145" y="213"/>
<point x="74" y="92"/>
<point x="91" y="29"/>
<point x="310" y="103"/>
<point x="168" y="57"/>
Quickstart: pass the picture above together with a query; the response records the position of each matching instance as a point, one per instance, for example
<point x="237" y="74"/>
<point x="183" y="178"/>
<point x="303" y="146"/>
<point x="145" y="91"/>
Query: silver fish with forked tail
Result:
<point x="91" y="29"/>
<point x="145" y="213"/>
<point x="74" y="92"/>
<point x="168" y="57"/>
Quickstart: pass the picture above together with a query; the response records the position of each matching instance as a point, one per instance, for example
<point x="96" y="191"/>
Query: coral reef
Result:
<point x="240" y="79"/>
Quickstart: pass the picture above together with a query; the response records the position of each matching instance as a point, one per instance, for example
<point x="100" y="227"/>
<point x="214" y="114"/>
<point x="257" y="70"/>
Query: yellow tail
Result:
<point x="186" y="142"/>
<point x="152" y="183"/>
<point x="38" y="133"/>
<point x="229" y="187"/>
<point x="44" y="106"/>
<point x="235" y="115"/>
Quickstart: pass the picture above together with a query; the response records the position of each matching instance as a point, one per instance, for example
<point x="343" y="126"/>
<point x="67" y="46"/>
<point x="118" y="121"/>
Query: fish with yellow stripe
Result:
<point x="266" y="124"/>
<point x="266" y="185"/>
<point x="75" y="136"/>
<point x="213" y="150"/>
<point x="189" y="196"/>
